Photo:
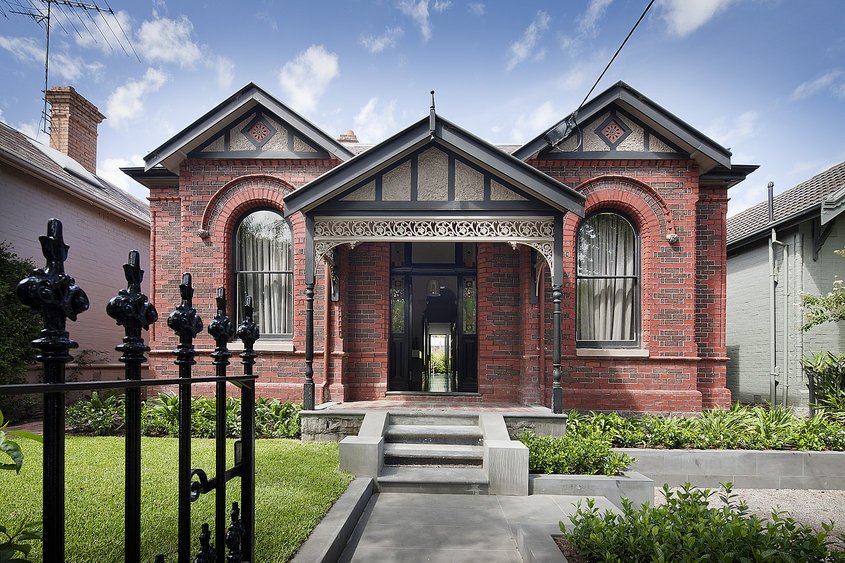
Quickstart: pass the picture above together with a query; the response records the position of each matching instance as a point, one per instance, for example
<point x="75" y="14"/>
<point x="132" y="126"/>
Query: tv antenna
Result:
<point x="67" y="14"/>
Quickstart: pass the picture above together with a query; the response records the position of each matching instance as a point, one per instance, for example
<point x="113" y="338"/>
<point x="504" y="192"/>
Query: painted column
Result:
<point x="557" y="294"/>
<point x="310" y="271"/>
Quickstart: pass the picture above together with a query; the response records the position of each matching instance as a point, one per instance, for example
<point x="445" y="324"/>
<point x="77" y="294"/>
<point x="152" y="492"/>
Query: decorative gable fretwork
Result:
<point x="610" y="133"/>
<point x="259" y="134"/>
<point x="432" y="177"/>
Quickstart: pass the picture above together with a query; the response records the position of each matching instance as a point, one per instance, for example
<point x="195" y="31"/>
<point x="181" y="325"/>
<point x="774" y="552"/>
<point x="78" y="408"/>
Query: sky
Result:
<point x="765" y="78"/>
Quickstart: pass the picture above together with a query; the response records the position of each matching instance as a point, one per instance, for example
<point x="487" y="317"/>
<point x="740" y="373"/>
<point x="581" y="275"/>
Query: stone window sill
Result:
<point x="612" y="352"/>
<point x="264" y="346"/>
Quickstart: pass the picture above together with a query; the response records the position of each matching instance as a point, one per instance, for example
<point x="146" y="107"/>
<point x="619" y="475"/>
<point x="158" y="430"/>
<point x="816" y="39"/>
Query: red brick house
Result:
<point x="586" y="269"/>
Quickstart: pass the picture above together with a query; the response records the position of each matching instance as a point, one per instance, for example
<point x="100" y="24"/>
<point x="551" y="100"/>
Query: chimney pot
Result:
<point x="73" y="125"/>
<point x="348" y="137"/>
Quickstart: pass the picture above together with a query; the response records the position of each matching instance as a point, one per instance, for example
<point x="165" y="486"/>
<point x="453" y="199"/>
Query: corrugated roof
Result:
<point x="18" y="147"/>
<point x="788" y="204"/>
<point x="358" y="148"/>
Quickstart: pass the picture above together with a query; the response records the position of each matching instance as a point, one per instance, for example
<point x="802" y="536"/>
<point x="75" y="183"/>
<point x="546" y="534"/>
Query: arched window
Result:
<point x="264" y="270"/>
<point x="608" y="283"/>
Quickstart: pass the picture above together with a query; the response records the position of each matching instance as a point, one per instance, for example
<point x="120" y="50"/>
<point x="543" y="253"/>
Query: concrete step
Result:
<point x="427" y="419"/>
<point x="448" y="480"/>
<point x="433" y="434"/>
<point x="433" y="454"/>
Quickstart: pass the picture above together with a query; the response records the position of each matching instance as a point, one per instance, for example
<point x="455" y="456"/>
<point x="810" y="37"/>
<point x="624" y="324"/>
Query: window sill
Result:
<point x="264" y="346"/>
<point x="612" y="352"/>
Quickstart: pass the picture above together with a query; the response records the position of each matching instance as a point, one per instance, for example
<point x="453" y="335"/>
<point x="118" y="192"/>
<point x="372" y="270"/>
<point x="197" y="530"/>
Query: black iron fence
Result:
<point x="55" y="295"/>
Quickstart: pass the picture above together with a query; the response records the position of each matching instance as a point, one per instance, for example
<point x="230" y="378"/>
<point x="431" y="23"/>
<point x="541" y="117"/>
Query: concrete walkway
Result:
<point x="410" y="527"/>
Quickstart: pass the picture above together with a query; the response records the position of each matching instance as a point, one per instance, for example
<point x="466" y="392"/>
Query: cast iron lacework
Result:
<point x="612" y="131"/>
<point x="538" y="233"/>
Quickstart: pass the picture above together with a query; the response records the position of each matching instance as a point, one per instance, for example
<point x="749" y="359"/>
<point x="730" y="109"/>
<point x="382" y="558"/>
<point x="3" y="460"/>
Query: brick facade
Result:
<point x="682" y="290"/>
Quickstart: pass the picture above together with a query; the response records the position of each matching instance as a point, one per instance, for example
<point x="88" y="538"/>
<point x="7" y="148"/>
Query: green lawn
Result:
<point x="296" y="484"/>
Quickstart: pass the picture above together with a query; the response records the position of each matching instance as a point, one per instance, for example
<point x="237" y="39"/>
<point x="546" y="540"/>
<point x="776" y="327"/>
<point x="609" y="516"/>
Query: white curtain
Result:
<point x="607" y="288"/>
<point x="264" y="270"/>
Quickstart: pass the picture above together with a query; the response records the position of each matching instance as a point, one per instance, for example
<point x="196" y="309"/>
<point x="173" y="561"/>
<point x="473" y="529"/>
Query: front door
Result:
<point x="433" y="331"/>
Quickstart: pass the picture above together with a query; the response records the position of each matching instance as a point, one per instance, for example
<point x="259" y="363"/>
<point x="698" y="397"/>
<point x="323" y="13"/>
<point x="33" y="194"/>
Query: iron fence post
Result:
<point x="131" y="309"/>
<point x="248" y="333"/>
<point x="185" y="322"/>
<point x="55" y="295"/>
<point x="222" y="330"/>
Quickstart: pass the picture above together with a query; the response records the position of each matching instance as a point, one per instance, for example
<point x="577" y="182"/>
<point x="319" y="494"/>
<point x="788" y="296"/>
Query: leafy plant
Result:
<point x="830" y="307"/>
<point x="826" y="375"/>
<point x="160" y="417"/>
<point x="99" y="416"/>
<point x="438" y="362"/>
<point x="25" y="530"/>
<point x="574" y="453"/>
<point x="18" y="327"/>
<point x="686" y="528"/>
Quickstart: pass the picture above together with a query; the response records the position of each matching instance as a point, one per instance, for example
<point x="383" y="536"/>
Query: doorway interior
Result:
<point x="433" y="328"/>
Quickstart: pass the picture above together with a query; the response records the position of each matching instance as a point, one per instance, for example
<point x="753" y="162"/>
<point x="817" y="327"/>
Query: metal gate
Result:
<point x="55" y="295"/>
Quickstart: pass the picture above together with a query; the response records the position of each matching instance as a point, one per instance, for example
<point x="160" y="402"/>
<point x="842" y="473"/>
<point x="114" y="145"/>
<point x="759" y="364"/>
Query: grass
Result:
<point x="296" y="484"/>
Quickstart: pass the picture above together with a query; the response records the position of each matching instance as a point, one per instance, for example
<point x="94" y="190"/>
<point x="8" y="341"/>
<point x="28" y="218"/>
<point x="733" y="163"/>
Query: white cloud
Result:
<point x="378" y="43"/>
<point x="588" y="20"/>
<point x="224" y="70"/>
<point x="268" y="19"/>
<point x="126" y="103"/>
<point x="305" y="79"/>
<point x="829" y="79"/>
<point x="541" y="119"/>
<point x="520" y="50"/>
<point x="27" y="50"/>
<point x="419" y="13"/>
<point x="31" y="129"/>
<point x="373" y="123"/>
<point x="477" y="8"/>
<point x="168" y="41"/>
<point x="440" y="6"/>
<point x="110" y="170"/>
<point x="728" y="132"/>
<point x="683" y="17"/>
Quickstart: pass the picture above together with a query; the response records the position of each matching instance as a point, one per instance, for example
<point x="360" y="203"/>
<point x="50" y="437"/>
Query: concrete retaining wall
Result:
<point x="635" y="486"/>
<point x="746" y="469"/>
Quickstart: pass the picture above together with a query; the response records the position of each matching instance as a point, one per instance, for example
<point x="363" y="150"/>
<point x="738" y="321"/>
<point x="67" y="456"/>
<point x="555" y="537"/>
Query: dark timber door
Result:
<point x="433" y="331"/>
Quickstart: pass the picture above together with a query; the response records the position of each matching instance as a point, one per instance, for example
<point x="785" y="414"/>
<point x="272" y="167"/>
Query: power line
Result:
<point x="40" y="11"/>
<point x="555" y="135"/>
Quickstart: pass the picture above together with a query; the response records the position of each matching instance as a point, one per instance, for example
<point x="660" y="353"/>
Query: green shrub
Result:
<point x="15" y="538"/>
<point x="686" y="528"/>
<point x="826" y="374"/>
<point x="160" y="417"/>
<point x="742" y="427"/>
<point x="574" y="453"/>
<point x="18" y="327"/>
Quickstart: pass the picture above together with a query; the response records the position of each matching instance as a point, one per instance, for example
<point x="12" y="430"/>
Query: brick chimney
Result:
<point x="73" y="126"/>
<point x="348" y="137"/>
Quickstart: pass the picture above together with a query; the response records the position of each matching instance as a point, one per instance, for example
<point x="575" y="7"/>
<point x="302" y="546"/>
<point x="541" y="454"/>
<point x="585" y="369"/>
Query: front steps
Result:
<point x="433" y="454"/>
<point x="456" y="453"/>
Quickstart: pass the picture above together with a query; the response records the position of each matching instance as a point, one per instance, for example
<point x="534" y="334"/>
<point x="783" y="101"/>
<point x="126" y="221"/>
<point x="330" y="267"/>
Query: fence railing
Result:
<point x="55" y="295"/>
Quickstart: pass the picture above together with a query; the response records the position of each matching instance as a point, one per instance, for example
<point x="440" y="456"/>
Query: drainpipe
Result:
<point x="772" y="283"/>
<point x="785" y="321"/>
<point x="799" y="288"/>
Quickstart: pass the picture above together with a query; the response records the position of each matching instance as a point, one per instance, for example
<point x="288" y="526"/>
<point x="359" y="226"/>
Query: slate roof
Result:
<point x="51" y="165"/>
<point x="788" y="205"/>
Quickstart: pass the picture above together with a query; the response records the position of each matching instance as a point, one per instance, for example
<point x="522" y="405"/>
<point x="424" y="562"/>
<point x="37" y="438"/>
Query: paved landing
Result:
<point x="410" y="527"/>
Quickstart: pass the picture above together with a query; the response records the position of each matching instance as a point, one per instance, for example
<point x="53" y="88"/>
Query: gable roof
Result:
<point x="56" y="168"/>
<point x="434" y="130"/>
<point x="708" y="153"/>
<point x="173" y="151"/>
<point x="824" y="191"/>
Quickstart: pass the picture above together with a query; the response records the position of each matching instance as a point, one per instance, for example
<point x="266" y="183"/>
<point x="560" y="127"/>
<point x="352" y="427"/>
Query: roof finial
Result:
<point x="431" y="117"/>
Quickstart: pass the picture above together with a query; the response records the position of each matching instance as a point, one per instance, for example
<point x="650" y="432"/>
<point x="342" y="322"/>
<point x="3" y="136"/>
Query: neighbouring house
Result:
<point x="102" y="222"/>
<point x="585" y="269"/>
<point x="765" y="341"/>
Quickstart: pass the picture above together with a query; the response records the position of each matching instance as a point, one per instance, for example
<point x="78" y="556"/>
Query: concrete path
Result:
<point x="410" y="527"/>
